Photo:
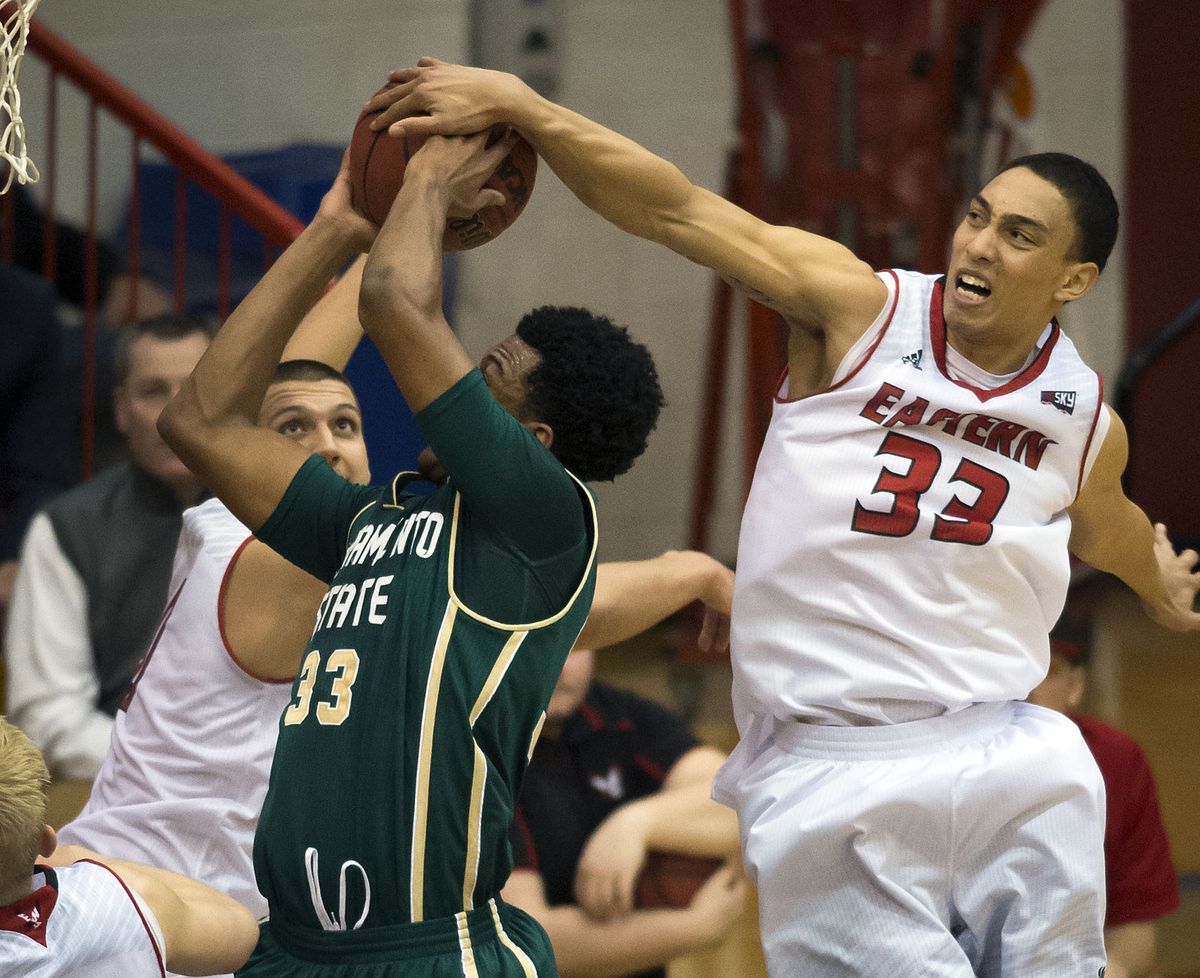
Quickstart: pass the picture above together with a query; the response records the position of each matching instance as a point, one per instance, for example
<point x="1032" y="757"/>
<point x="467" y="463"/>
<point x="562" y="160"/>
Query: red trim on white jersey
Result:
<point x="137" y="905"/>
<point x="221" y="621"/>
<point x="862" y="361"/>
<point x="937" y="334"/>
<point x="1087" y="445"/>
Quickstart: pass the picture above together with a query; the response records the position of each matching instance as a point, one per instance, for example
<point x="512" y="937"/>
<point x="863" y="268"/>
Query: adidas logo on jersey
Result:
<point x="913" y="359"/>
<point x="1063" y="400"/>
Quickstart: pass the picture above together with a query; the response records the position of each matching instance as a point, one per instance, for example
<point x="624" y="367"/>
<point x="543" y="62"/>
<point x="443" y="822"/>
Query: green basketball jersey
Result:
<point x="423" y="688"/>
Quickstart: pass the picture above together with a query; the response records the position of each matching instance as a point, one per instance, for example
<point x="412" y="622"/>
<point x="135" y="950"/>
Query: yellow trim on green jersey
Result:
<point x="469" y="968"/>
<point x="537" y="732"/>
<point x="479" y="774"/>
<point x="527" y="965"/>
<point x="424" y="764"/>
<point x="474" y="827"/>
<point x="529" y="626"/>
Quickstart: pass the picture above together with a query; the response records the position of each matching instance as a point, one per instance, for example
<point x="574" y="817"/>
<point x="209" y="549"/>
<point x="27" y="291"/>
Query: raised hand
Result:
<point x="436" y="97"/>
<point x="336" y="209"/>
<point x="1181" y="581"/>
<point x="463" y="164"/>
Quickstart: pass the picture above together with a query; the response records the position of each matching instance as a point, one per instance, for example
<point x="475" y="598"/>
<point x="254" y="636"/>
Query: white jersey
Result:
<point x="80" y="920"/>
<point x="185" y="776"/>
<point x="903" y="551"/>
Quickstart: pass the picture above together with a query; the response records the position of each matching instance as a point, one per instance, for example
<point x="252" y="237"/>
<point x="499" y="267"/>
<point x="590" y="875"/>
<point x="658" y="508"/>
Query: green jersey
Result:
<point x="424" y="685"/>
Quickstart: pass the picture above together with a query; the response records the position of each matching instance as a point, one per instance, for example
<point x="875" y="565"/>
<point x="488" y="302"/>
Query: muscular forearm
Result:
<point x="631" y="596"/>
<point x="614" y="176"/>
<point x="228" y="384"/>
<point x="588" y="948"/>
<point x="1123" y="546"/>
<point x="331" y="331"/>
<point x="402" y="279"/>
<point x="685" y="820"/>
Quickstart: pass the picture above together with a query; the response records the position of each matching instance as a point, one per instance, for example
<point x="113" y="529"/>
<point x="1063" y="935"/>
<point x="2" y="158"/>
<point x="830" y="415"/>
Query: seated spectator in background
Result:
<point x="1140" y="879"/>
<point x="612" y="777"/>
<point x="115" y="289"/>
<point x="91" y="915"/>
<point x="96" y="562"/>
<point x="36" y="462"/>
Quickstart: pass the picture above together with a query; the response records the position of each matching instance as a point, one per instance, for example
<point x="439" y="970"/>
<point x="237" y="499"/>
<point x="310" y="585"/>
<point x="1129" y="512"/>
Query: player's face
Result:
<point x="322" y="416"/>
<point x="572" y="686"/>
<point x="157" y="370"/>
<point x="1063" y="687"/>
<point x="1012" y="262"/>
<point x="506" y="368"/>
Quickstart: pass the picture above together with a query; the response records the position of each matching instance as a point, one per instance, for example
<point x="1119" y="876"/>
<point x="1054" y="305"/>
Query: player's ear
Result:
<point x="48" y="842"/>
<point x="1080" y="277"/>
<point x="541" y="431"/>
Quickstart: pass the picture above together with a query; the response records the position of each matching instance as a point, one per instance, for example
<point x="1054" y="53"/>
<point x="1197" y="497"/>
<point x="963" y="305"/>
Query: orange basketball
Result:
<point x="377" y="163"/>
<point x="671" y="880"/>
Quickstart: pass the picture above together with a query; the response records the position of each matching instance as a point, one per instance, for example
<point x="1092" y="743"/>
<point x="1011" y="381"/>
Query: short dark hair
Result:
<point x="308" y="370"/>
<point x="595" y="387"/>
<point x="168" y="326"/>
<point x="1092" y="203"/>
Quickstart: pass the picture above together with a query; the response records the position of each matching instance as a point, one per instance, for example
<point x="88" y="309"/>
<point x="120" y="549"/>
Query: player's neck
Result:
<point x="994" y="354"/>
<point x="13" y="892"/>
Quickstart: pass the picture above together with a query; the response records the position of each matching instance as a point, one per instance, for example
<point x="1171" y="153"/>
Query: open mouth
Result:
<point x="972" y="288"/>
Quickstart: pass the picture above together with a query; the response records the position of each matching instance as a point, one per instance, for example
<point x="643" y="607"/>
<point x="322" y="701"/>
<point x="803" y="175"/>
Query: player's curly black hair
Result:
<point x="595" y="387"/>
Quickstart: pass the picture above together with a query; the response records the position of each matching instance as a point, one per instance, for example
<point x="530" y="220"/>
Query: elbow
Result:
<point x="175" y="421"/>
<point x="390" y="301"/>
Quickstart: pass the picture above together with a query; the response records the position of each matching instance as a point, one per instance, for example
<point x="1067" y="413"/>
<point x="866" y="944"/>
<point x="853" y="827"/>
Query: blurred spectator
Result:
<point x="114" y="287"/>
<point x="613" y="776"/>
<point x="96" y="563"/>
<point x="36" y="462"/>
<point x="1141" y="883"/>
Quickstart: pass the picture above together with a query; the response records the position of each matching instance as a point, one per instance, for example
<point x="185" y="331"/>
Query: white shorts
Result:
<point x="970" y="844"/>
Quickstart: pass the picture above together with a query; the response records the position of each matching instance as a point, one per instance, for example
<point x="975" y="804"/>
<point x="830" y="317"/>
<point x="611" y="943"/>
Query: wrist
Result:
<point x="338" y="239"/>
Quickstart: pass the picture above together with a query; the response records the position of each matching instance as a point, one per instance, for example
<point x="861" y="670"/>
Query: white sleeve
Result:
<point x="52" y="684"/>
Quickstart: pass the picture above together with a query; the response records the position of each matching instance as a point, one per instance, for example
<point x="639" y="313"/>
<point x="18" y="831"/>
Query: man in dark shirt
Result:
<point x="96" y="562"/>
<point x="613" y="776"/>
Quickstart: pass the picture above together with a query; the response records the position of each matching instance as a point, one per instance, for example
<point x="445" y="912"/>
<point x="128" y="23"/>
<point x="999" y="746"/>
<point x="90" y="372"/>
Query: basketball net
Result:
<point x="15" y="16"/>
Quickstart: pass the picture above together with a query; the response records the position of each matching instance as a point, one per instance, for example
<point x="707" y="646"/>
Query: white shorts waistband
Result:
<point x="934" y="734"/>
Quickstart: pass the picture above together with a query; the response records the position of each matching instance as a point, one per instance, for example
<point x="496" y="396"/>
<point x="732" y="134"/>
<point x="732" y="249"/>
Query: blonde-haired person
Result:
<point x="73" y="912"/>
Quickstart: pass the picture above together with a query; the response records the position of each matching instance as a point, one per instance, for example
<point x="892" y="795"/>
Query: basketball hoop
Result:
<point x="15" y="16"/>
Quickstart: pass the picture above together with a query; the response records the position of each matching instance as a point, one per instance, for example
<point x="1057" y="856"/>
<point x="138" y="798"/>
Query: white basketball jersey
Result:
<point x="187" y="770"/>
<point x="903" y="551"/>
<point x="80" y="920"/>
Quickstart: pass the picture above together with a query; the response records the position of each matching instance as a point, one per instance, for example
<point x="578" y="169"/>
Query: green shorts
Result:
<point x="492" y="941"/>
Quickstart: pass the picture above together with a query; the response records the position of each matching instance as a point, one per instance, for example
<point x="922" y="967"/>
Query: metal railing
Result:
<point x="194" y="166"/>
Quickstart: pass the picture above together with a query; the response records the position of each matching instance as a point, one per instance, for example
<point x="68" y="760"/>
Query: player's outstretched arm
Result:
<point x="586" y="947"/>
<point x="205" y="932"/>
<point x="212" y="423"/>
<point x="400" y="303"/>
<point x="811" y="280"/>
<point x="634" y="595"/>
<point x="1112" y="534"/>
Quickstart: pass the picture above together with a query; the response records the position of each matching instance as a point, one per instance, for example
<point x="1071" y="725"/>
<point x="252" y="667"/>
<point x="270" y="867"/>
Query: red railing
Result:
<point x="193" y="165"/>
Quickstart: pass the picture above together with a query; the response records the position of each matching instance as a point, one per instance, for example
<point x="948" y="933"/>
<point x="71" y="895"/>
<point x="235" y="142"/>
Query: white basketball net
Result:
<point x="15" y="14"/>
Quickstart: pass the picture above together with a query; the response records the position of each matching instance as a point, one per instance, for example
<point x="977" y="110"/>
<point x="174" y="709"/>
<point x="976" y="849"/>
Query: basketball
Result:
<point x="377" y="163"/>
<point x="670" y="880"/>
